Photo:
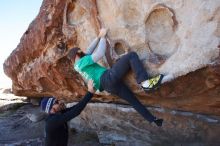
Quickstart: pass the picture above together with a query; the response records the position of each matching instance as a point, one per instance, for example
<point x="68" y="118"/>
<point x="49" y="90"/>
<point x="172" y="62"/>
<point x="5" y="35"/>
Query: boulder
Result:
<point x="171" y="37"/>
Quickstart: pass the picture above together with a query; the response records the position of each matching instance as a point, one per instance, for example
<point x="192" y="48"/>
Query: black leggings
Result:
<point x="111" y="81"/>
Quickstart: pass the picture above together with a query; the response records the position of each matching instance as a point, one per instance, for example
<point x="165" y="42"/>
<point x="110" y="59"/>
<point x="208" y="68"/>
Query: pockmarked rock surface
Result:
<point x="171" y="37"/>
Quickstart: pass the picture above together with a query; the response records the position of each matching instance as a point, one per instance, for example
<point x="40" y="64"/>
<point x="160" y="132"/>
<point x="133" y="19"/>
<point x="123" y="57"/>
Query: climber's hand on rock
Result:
<point x="103" y="32"/>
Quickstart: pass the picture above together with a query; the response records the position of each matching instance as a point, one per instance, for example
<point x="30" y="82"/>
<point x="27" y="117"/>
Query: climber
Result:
<point x="56" y="128"/>
<point x="111" y="79"/>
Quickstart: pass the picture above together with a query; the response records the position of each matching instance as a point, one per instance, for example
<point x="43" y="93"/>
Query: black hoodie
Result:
<point x="56" y="124"/>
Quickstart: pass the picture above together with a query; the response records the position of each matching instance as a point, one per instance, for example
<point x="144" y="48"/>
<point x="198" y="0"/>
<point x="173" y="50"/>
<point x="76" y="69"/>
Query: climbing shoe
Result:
<point x="153" y="83"/>
<point x="158" y="122"/>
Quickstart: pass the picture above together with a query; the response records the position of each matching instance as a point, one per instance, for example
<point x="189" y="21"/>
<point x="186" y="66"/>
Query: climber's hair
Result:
<point x="73" y="52"/>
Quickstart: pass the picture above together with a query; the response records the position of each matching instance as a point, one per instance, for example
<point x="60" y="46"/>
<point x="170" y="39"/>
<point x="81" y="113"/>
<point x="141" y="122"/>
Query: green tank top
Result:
<point x="89" y="70"/>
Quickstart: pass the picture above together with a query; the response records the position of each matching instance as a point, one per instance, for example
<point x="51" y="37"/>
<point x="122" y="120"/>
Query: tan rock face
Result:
<point x="122" y="126"/>
<point x="178" y="37"/>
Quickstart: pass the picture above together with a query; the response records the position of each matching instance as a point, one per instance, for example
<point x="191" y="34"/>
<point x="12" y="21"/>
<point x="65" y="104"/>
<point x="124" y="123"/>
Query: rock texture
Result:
<point x="178" y="37"/>
<point x="122" y="126"/>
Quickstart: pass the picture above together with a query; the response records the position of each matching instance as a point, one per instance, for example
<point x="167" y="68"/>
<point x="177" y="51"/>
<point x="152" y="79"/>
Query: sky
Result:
<point x="16" y="15"/>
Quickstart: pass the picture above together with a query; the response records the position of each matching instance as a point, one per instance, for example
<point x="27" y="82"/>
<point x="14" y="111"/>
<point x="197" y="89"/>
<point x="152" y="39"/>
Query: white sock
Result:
<point x="145" y="83"/>
<point x="167" y="78"/>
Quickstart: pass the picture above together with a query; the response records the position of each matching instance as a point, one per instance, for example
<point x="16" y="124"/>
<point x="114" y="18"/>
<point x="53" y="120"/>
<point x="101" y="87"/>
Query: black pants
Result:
<point x="111" y="81"/>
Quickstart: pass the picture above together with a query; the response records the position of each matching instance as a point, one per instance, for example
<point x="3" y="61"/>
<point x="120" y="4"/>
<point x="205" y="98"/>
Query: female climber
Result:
<point x="111" y="79"/>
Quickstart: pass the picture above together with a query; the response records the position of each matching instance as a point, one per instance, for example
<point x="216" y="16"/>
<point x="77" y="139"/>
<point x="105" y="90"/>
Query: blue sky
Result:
<point x="16" y="15"/>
